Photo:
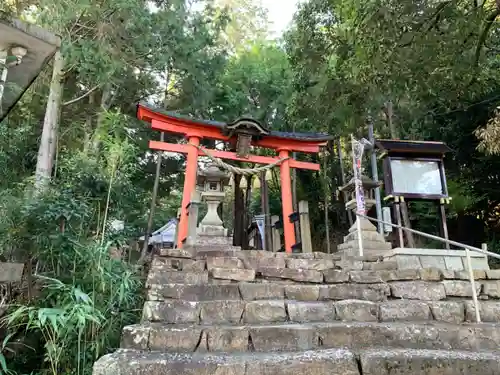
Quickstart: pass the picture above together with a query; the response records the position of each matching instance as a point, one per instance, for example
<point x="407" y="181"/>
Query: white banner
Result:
<point x="261" y="224"/>
<point x="357" y="156"/>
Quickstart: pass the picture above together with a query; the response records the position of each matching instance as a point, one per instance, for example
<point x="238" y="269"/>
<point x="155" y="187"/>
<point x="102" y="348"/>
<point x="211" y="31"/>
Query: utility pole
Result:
<point x="401" y="208"/>
<point x="264" y="192"/>
<point x="389" y="113"/>
<point x="327" y="224"/>
<point x="294" y="195"/>
<point x="153" y="203"/>
<point x="373" y="159"/>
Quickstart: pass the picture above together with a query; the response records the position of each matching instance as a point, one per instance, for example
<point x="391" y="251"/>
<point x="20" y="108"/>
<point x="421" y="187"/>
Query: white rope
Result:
<point x="236" y="170"/>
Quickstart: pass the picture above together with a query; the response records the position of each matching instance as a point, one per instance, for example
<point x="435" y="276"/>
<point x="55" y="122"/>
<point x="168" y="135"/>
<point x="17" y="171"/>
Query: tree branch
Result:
<point x="72" y="101"/>
<point x="433" y="19"/>
<point x="484" y="34"/>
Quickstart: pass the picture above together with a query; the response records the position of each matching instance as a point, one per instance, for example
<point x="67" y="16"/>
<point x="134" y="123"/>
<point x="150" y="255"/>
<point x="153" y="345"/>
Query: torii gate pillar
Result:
<point x="189" y="187"/>
<point x="287" y="201"/>
<point x="242" y="135"/>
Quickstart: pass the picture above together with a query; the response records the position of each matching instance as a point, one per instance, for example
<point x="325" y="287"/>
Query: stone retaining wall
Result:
<point x="455" y="260"/>
<point x="315" y="362"/>
<point x="210" y="311"/>
<point x="262" y="287"/>
<point x="290" y="308"/>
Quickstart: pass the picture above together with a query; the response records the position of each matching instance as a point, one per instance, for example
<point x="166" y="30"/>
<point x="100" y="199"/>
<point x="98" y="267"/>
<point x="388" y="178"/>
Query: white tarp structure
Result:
<point x="165" y="234"/>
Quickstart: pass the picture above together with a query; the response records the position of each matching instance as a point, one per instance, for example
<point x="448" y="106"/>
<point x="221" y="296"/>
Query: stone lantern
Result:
<point x="373" y="242"/>
<point x="24" y="51"/>
<point x="369" y="187"/>
<point x="212" y="182"/>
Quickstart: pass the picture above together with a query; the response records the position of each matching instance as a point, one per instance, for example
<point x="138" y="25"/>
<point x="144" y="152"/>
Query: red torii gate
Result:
<point x="241" y="135"/>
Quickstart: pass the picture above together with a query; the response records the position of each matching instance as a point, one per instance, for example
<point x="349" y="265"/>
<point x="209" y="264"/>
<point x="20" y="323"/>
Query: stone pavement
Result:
<point x="211" y="311"/>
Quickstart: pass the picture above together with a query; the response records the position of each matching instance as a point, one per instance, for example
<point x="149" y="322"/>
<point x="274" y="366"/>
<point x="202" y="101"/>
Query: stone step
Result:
<point x="130" y="362"/>
<point x="425" y="284"/>
<point x="207" y="252"/>
<point x="159" y="276"/>
<point x="198" y="287"/>
<point x="367" y="244"/>
<point x="361" y="270"/>
<point x="428" y="362"/>
<point x="366" y="236"/>
<point x="178" y="264"/>
<point x="176" y="259"/>
<point x="280" y="311"/>
<point x="318" y="362"/>
<point x="194" y="292"/>
<point x="310" y="336"/>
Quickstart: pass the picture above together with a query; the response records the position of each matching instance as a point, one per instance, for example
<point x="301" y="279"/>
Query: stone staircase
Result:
<point x="231" y="312"/>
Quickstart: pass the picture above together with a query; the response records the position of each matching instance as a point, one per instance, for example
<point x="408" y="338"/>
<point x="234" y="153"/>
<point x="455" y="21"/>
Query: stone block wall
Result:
<point x="309" y="287"/>
<point x="211" y="312"/>
<point x="453" y="260"/>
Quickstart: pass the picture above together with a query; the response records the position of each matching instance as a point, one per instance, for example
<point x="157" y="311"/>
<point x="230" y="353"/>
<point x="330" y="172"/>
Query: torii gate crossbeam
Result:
<point x="241" y="135"/>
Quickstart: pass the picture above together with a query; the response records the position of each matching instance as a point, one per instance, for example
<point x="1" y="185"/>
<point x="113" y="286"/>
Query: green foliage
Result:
<point x="87" y="296"/>
<point x="248" y="22"/>
<point x="86" y="287"/>
<point x="435" y="61"/>
<point x="256" y="83"/>
<point x="80" y="323"/>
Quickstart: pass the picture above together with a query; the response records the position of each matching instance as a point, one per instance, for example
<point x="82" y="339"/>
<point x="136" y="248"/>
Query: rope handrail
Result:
<point x="432" y="237"/>
<point x="237" y="170"/>
<point x="467" y="248"/>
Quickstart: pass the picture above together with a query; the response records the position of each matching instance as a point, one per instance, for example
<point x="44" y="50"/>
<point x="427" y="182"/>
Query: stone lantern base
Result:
<point x="212" y="230"/>
<point x="212" y="225"/>
<point x="374" y="243"/>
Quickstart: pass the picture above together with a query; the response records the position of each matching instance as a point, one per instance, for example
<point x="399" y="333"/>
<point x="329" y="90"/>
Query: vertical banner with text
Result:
<point x="357" y="156"/>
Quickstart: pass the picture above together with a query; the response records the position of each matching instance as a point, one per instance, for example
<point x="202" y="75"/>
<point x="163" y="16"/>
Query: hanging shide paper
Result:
<point x="243" y="182"/>
<point x="256" y="182"/>
<point x="269" y="175"/>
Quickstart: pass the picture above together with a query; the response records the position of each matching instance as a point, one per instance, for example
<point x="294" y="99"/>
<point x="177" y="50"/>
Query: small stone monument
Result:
<point x="373" y="242"/>
<point x="212" y="181"/>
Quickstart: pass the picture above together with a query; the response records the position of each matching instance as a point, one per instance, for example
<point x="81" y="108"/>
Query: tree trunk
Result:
<point x="149" y="228"/>
<point x="47" y="148"/>
<point x="247" y="218"/>
<point x="389" y="113"/>
<point x="88" y="128"/>
<point x="153" y="205"/>
<point x="106" y="100"/>
<point x="239" y="210"/>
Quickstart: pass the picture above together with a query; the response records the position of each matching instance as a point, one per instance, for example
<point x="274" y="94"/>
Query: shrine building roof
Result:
<point x="148" y="113"/>
<point x="413" y="147"/>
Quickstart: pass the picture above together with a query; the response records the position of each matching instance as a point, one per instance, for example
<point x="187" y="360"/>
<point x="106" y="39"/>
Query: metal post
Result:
<point x="397" y="210"/>
<point x="373" y="159"/>
<point x="3" y="74"/>
<point x="444" y="225"/>
<point x="473" y="285"/>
